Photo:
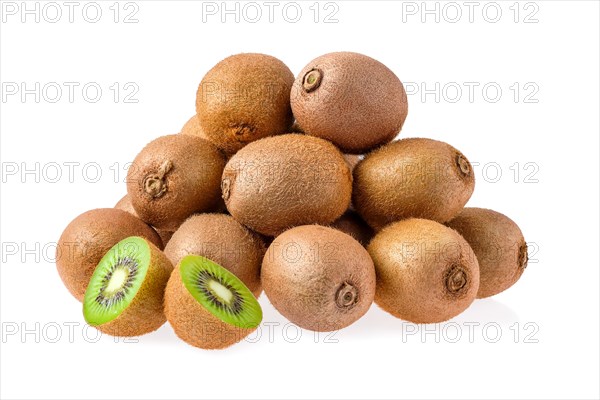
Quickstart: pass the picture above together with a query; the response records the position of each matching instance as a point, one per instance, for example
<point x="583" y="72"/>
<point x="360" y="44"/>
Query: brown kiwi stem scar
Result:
<point x="463" y="165"/>
<point x="154" y="183"/>
<point x="456" y="280"/>
<point x="346" y="295"/>
<point x="243" y="132"/>
<point x="226" y="188"/>
<point x="312" y="80"/>
<point x="523" y="256"/>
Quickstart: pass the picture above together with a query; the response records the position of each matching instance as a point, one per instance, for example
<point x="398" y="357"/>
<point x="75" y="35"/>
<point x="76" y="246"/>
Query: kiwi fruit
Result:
<point x="426" y="272"/>
<point x="125" y="205"/>
<point x="165" y="236"/>
<point x="318" y="277"/>
<point x="283" y="181"/>
<point x="207" y="306"/>
<point x="351" y="99"/>
<point x="296" y="128"/>
<point x="420" y="178"/>
<point x="174" y="177"/>
<point x="243" y="98"/>
<point x="192" y="127"/>
<point x="352" y="224"/>
<point x="498" y="244"/>
<point x="88" y="237"/>
<point x="225" y="241"/>
<point x="126" y="290"/>
<point x="352" y="160"/>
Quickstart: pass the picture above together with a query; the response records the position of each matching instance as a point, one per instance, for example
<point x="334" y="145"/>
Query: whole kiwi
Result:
<point x="426" y="272"/>
<point x="318" y="277"/>
<point x="125" y="205"/>
<point x="350" y="99"/>
<point x="174" y="177"/>
<point x="225" y="241"/>
<point x="283" y="181"/>
<point x="296" y="128"/>
<point x="352" y="160"/>
<point x="352" y="224"/>
<point x="192" y="127"/>
<point x="498" y="244"/>
<point x="243" y="98"/>
<point x="88" y="237"/>
<point x="420" y="178"/>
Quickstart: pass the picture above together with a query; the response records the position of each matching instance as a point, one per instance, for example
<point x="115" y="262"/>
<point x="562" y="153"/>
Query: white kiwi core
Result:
<point x="220" y="291"/>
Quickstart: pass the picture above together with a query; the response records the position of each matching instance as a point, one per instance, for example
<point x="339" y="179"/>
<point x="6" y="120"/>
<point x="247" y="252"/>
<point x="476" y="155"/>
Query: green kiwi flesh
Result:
<point x="209" y="307"/>
<point x="223" y="240"/>
<point x="87" y="239"/>
<point x="125" y="294"/>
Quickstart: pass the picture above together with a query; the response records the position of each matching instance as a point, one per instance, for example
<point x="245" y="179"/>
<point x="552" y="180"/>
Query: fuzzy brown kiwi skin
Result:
<point x="243" y="98"/>
<point x="222" y="239"/>
<point x="192" y="127"/>
<point x="352" y="224"/>
<point x="327" y="285"/>
<point x="125" y="205"/>
<point x="352" y="160"/>
<point x="426" y="272"/>
<point x="498" y="244"/>
<point x="412" y="178"/>
<point x="145" y="313"/>
<point x="296" y="128"/>
<point x="193" y="323"/>
<point x="350" y="99"/>
<point x="283" y="181"/>
<point x="174" y="177"/>
<point x="88" y="237"/>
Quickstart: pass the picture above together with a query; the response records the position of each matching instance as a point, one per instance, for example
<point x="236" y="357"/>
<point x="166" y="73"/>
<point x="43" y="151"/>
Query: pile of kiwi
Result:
<point x="294" y="187"/>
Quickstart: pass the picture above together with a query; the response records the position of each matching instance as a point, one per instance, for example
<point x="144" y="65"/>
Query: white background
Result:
<point x="548" y="321"/>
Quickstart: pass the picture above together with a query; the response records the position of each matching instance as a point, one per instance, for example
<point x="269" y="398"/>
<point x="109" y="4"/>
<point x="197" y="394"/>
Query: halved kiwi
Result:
<point x="88" y="237"/>
<point x="225" y="241"/>
<point x="125" y="294"/>
<point x="208" y="306"/>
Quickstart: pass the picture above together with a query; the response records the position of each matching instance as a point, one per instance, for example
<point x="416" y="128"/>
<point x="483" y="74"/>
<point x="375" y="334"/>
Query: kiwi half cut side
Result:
<point x="125" y="294"/>
<point x="209" y="307"/>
